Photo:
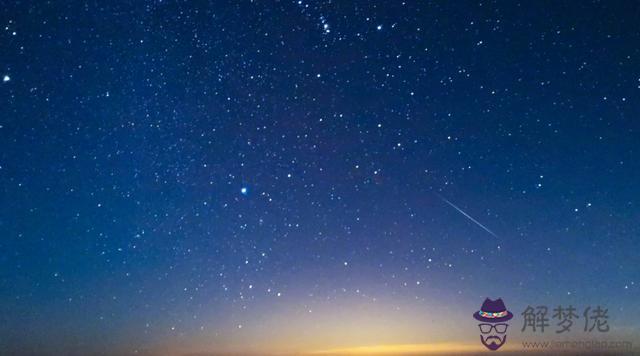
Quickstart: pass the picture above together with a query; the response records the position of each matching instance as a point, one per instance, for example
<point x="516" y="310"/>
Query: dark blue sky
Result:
<point x="173" y="172"/>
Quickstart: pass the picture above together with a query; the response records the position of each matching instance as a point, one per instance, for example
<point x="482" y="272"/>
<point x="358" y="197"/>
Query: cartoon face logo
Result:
<point x="493" y="317"/>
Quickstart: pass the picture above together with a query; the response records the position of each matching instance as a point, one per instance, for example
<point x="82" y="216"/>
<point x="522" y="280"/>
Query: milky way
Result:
<point x="253" y="176"/>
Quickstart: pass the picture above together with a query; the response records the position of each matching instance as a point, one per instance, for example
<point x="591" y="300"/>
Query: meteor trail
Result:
<point x="467" y="215"/>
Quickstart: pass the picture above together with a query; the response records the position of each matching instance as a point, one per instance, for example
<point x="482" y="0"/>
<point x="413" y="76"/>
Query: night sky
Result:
<point x="297" y="176"/>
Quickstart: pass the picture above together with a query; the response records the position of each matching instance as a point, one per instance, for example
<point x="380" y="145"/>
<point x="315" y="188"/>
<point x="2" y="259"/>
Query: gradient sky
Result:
<point x="287" y="176"/>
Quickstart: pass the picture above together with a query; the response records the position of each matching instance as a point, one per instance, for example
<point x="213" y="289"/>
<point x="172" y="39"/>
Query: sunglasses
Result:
<point x="499" y="328"/>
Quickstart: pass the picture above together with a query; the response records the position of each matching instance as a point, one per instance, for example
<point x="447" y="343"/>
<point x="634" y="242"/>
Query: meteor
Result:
<point x="466" y="215"/>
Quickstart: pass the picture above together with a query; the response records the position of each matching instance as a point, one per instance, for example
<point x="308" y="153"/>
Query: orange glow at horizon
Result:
<point x="402" y="349"/>
<point x="411" y="349"/>
<point x="347" y="327"/>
